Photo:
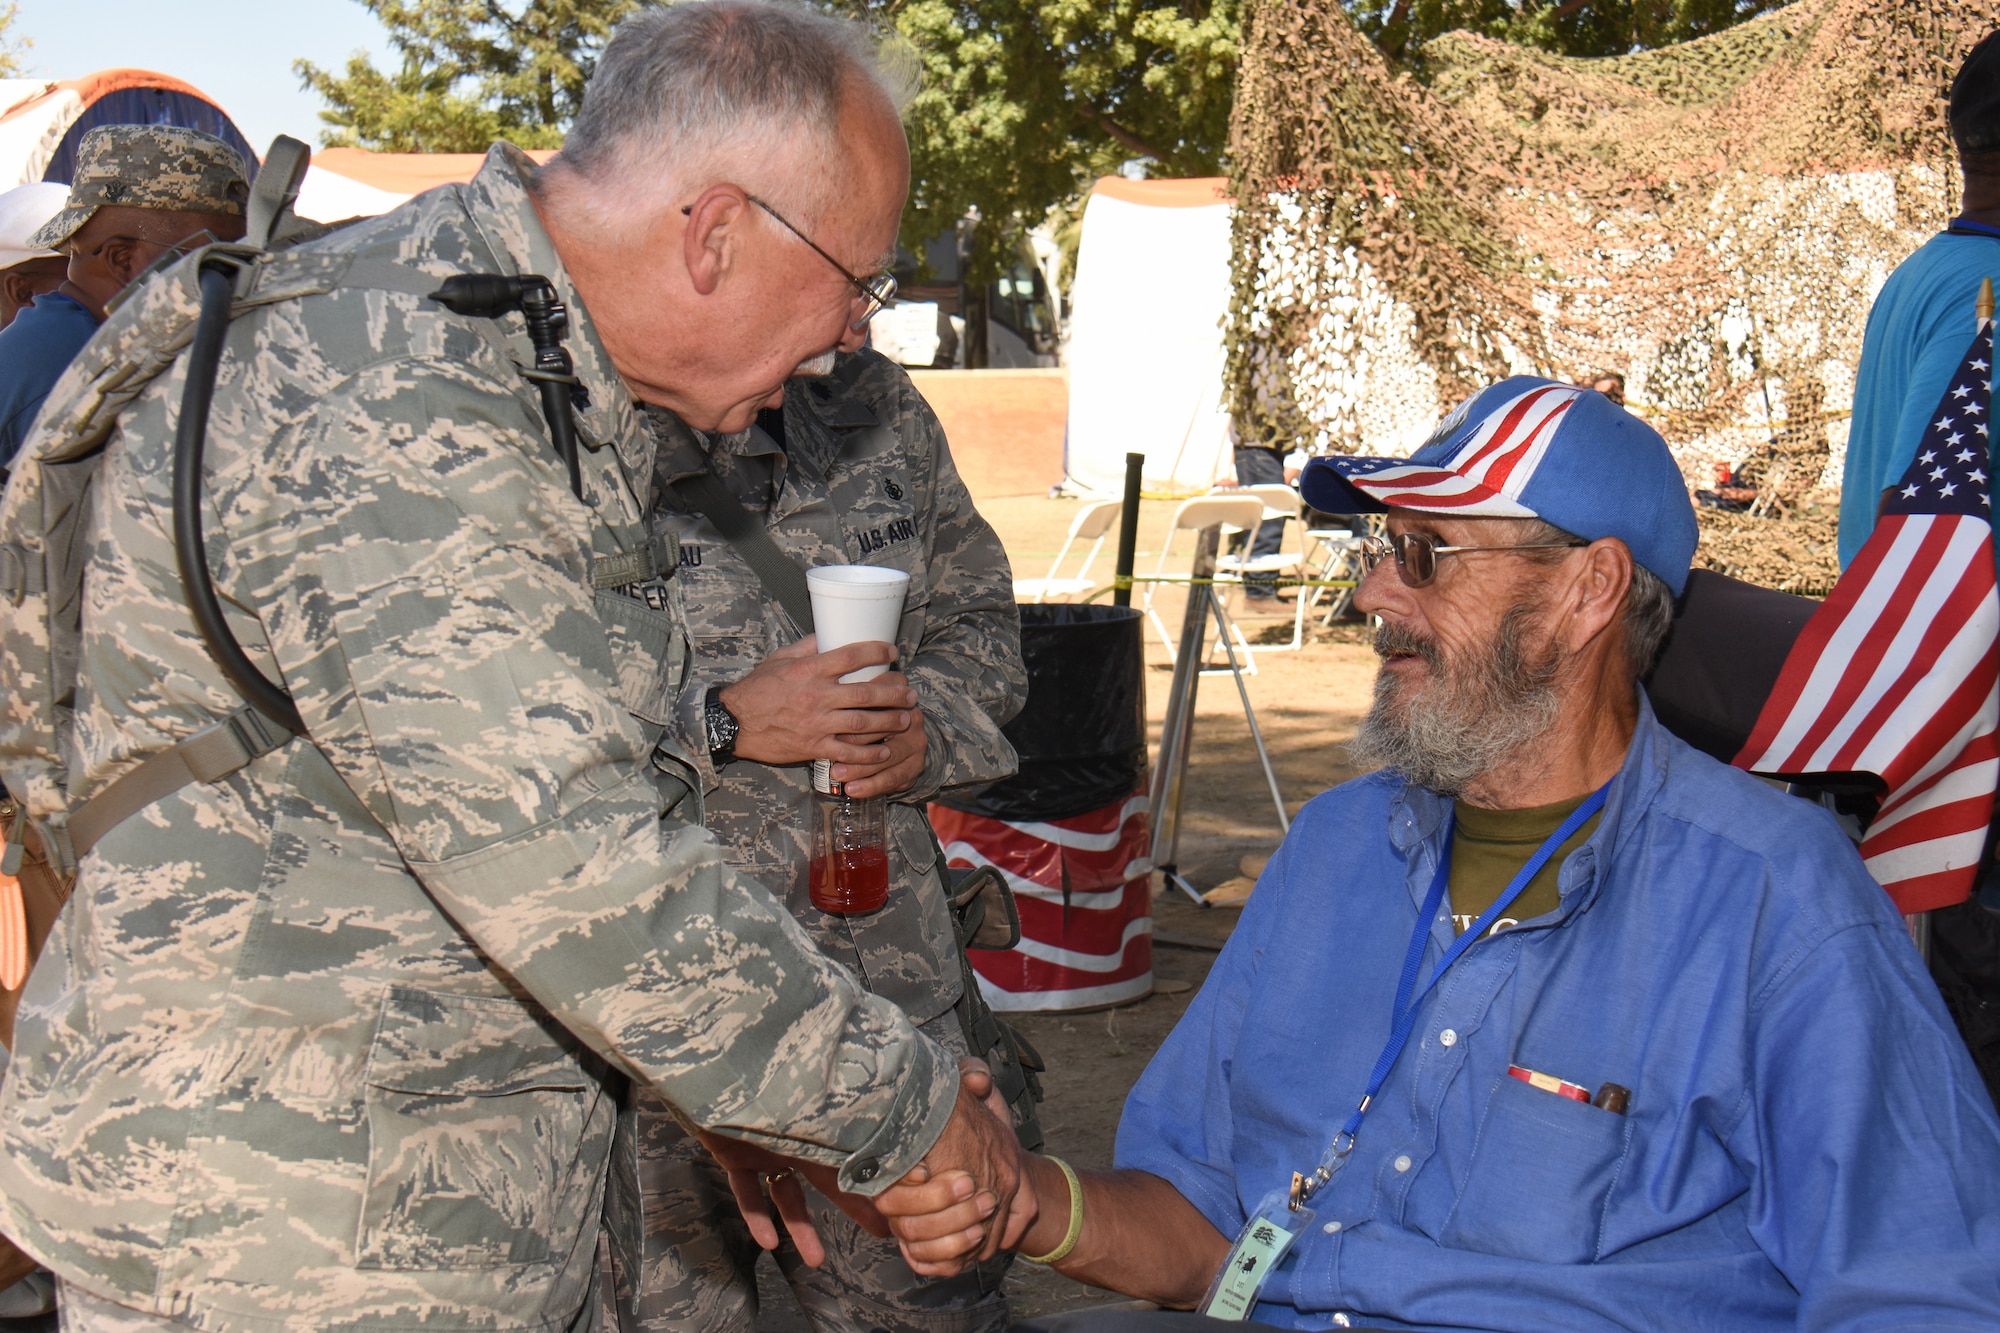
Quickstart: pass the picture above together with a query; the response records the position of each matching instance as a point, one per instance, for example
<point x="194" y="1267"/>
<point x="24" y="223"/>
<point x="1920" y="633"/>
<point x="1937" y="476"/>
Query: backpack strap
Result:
<point x="705" y="494"/>
<point x="210" y="755"/>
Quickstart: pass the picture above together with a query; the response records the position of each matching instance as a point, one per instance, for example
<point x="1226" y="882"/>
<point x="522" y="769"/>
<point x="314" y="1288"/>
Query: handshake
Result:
<point x="973" y="1195"/>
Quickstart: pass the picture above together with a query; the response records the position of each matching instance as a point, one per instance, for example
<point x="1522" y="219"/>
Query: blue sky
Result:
<point x="239" y="52"/>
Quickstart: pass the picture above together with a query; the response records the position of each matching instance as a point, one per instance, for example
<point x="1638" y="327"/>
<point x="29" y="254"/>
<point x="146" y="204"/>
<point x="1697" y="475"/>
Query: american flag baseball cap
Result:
<point x="1532" y="448"/>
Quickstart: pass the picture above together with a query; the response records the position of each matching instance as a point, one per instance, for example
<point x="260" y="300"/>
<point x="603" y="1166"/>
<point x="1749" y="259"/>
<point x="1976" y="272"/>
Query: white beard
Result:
<point x="1472" y="716"/>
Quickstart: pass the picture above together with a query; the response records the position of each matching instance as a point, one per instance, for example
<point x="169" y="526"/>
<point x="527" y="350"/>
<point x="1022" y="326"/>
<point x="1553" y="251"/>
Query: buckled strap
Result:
<point x="656" y="560"/>
<point x="210" y="755"/>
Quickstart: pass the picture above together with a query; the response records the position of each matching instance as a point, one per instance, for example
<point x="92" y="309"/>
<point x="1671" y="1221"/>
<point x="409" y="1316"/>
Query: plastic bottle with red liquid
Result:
<point x="849" y="870"/>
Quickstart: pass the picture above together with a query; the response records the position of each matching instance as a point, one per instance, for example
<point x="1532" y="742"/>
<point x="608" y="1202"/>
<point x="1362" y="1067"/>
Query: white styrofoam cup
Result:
<point x="857" y="604"/>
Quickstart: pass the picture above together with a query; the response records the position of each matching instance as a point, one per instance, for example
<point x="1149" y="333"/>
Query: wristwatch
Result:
<point x="722" y="727"/>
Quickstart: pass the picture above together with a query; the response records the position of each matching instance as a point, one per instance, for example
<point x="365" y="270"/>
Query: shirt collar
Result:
<point x="498" y="202"/>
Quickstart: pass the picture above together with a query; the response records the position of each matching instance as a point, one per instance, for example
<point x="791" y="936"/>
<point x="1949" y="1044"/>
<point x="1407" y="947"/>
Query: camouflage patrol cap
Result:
<point x="149" y="166"/>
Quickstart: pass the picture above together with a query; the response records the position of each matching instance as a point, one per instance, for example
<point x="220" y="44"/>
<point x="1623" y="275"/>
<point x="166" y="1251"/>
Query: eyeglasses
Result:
<point x="874" y="292"/>
<point x="1417" y="553"/>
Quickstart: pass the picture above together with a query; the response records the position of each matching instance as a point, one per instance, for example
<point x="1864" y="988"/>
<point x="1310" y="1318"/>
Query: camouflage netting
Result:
<point x="1712" y="220"/>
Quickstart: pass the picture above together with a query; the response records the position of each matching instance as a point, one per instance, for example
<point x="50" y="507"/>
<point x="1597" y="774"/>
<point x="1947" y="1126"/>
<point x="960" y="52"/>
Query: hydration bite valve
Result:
<point x="533" y="297"/>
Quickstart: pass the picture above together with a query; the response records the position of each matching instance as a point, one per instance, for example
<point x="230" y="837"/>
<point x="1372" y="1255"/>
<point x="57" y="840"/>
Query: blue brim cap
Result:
<point x="1533" y="448"/>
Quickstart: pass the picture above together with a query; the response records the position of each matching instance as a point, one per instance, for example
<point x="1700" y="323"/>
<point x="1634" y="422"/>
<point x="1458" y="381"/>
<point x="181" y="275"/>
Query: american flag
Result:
<point x="1898" y="674"/>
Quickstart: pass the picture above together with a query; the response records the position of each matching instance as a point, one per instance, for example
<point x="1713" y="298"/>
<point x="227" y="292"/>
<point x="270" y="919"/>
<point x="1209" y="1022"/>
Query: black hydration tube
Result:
<point x="481" y="295"/>
<point x="218" y="288"/>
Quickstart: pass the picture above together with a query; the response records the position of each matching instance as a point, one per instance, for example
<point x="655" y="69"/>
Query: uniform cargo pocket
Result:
<point x="482" y="1136"/>
<point x="1540" y="1172"/>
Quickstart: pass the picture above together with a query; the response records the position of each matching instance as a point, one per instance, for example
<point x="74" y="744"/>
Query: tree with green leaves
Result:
<point x="472" y="71"/>
<point x="1024" y="102"/>
<point x="13" y="47"/>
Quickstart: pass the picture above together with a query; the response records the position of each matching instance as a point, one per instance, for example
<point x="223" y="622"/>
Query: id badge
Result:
<point x="1260" y="1246"/>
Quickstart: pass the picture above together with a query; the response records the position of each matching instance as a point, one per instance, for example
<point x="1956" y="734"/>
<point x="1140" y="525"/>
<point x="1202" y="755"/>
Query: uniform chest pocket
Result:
<point x="649" y="645"/>
<point x="1541" y="1170"/>
<point x="485" y="1137"/>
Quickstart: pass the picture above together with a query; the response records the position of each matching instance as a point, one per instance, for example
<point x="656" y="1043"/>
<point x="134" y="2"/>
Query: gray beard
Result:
<point x="1473" y="716"/>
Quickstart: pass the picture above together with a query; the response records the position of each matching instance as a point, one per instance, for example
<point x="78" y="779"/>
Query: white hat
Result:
<point x="23" y="211"/>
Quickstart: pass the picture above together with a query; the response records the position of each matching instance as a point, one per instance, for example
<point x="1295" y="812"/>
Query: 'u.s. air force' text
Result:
<point x="902" y="530"/>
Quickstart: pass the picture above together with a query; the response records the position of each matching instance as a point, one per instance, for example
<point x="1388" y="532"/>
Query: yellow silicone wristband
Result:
<point x="1061" y="1252"/>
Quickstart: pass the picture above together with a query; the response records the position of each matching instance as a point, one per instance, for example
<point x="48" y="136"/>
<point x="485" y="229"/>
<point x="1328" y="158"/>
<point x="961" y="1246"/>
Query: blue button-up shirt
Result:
<point x="1808" y="1145"/>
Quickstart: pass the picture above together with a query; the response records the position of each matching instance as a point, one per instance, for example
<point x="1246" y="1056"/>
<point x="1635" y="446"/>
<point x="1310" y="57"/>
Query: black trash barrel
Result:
<point x="1082" y="733"/>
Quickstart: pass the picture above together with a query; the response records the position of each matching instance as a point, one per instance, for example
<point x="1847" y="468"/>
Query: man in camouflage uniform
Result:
<point x="337" y="1040"/>
<point x="140" y="191"/>
<point x="853" y="470"/>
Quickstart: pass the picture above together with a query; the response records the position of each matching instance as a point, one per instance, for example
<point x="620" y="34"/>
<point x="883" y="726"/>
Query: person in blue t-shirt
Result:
<point x="140" y="192"/>
<point x="1923" y="319"/>
<point x="1562" y="1025"/>
<point x="1917" y="334"/>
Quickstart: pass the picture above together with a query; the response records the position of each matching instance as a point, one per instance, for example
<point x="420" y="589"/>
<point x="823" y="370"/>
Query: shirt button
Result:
<point x="1331" y="1228"/>
<point x="868" y="1168"/>
<point x="1448" y="1037"/>
<point x="1340" y="1319"/>
<point x="1402" y="1163"/>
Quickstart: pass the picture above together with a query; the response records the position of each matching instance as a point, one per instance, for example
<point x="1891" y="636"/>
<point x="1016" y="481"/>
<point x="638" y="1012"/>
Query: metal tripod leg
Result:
<point x="1169" y="783"/>
<point x="1250" y="714"/>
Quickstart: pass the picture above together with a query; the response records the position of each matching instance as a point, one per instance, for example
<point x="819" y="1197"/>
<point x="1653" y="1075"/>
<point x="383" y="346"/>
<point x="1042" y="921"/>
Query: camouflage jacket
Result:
<point x="863" y="476"/>
<point x="334" y="1041"/>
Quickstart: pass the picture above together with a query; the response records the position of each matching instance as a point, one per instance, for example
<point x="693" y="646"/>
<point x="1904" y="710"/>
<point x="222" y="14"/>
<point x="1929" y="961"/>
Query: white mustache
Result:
<point x="819" y="365"/>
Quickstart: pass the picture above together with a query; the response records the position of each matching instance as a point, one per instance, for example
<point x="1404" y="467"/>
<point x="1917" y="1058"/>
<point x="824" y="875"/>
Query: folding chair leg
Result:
<point x="1249" y="713"/>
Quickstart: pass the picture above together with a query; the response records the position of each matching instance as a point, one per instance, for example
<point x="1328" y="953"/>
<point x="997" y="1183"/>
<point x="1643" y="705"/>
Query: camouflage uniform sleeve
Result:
<point x="426" y="594"/>
<point x="968" y="674"/>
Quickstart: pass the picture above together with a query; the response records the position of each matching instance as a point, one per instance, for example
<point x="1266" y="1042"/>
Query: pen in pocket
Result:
<point x="1550" y="1083"/>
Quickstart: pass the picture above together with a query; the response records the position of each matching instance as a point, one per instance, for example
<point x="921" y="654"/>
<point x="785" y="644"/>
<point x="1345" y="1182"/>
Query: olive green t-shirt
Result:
<point x="1489" y="847"/>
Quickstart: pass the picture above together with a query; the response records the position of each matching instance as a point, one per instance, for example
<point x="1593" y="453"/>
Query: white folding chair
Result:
<point x="1280" y="502"/>
<point x="1205" y="511"/>
<point x="1335" y="553"/>
<point x="1091" y="523"/>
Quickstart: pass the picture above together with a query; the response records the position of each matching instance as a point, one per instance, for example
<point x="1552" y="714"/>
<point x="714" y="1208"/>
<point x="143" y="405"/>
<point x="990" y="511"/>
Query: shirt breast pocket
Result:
<point x="1541" y="1170"/>
<point x="650" y="648"/>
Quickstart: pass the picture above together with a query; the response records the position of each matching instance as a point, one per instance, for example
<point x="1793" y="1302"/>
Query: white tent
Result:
<point x="353" y="182"/>
<point x="43" y="120"/>
<point x="1145" y="353"/>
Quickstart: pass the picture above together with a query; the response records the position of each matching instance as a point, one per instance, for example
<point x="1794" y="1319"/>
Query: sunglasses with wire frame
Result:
<point x="875" y="292"/>
<point x="1417" y="553"/>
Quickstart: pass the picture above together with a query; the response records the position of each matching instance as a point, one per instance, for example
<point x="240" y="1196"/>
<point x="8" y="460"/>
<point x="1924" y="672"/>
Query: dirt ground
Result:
<point x="1308" y="703"/>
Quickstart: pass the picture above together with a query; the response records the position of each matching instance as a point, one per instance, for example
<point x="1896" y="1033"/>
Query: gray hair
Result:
<point x="1649" y="602"/>
<point x="688" y="94"/>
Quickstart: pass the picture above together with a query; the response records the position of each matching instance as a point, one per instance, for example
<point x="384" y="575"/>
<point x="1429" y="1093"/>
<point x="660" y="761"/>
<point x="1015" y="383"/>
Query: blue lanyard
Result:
<point x="1967" y="227"/>
<point x="1409" y="996"/>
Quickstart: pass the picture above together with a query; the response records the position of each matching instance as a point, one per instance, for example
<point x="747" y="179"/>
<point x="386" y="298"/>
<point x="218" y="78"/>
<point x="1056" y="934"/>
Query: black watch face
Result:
<point x="722" y="727"/>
